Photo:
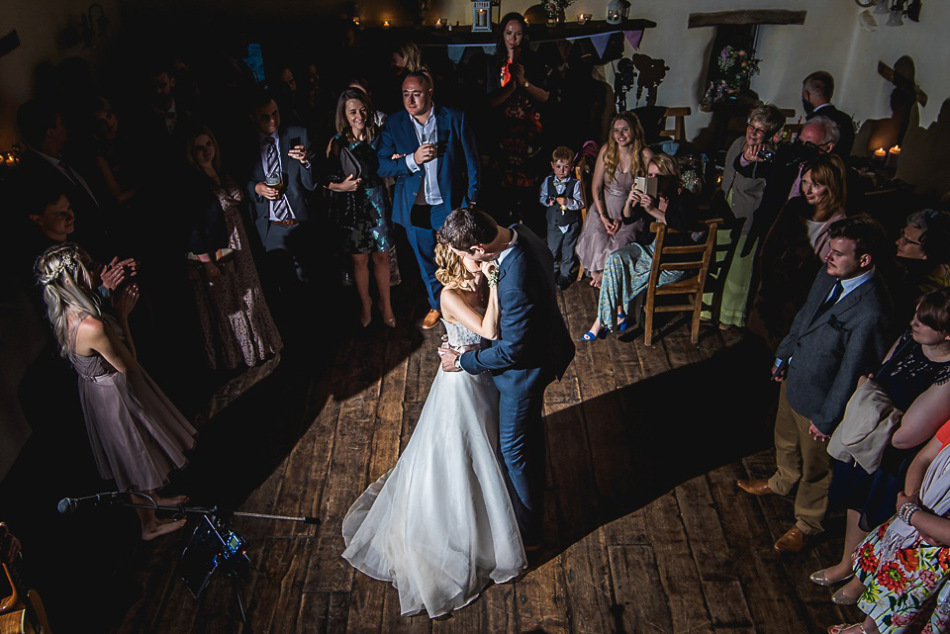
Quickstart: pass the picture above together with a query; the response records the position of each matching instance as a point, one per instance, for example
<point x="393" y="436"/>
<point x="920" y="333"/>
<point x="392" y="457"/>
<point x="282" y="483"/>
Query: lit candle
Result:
<point x="386" y="23"/>
<point x="880" y="153"/>
<point x="9" y="159"/>
<point x="892" y="155"/>
<point x="482" y="17"/>
<point x="582" y="18"/>
<point x="440" y="23"/>
<point x="356" y="21"/>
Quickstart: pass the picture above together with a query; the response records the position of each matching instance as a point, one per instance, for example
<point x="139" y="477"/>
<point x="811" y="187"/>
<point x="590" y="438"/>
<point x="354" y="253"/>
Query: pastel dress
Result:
<point x="440" y="526"/>
<point x="595" y="244"/>
<point x="138" y="436"/>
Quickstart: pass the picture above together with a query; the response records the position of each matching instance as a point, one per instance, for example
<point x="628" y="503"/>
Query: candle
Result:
<point x="386" y="23"/>
<point x="9" y="159"/>
<point x="582" y="18"/>
<point x="893" y="155"/>
<point x="440" y="23"/>
<point x="482" y="17"/>
<point x="356" y="21"/>
<point x="880" y="153"/>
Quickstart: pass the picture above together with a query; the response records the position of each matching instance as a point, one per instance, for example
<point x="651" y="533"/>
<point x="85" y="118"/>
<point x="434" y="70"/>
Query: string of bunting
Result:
<point x="599" y="41"/>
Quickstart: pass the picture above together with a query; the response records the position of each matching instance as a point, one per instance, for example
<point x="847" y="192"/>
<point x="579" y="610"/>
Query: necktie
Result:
<point x="832" y="299"/>
<point x="279" y="209"/>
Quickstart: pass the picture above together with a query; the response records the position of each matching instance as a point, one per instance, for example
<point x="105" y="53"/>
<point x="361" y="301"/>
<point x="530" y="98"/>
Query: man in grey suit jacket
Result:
<point x="838" y="335"/>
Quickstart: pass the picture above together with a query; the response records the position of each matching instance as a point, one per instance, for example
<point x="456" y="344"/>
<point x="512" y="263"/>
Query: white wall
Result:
<point x="39" y="24"/>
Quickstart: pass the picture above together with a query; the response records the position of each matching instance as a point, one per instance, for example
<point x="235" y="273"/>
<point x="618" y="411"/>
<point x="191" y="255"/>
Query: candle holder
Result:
<point x="584" y="18"/>
<point x="481" y="16"/>
<point x="440" y="23"/>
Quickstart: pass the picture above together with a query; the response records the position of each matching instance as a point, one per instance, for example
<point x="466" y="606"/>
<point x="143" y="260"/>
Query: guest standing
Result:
<point x="236" y="325"/>
<point x="625" y="156"/>
<point x="359" y="205"/>
<point x="137" y="435"/>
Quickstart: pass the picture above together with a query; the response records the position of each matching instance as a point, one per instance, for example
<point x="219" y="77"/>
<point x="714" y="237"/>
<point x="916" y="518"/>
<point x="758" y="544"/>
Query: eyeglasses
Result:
<point x="761" y="131"/>
<point x="907" y="240"/>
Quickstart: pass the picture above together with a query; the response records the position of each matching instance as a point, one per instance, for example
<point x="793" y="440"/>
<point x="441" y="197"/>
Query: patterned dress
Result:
<point x="236" y="324"/>
<point x="906" y="591"/>
<point x="361" y="217"/>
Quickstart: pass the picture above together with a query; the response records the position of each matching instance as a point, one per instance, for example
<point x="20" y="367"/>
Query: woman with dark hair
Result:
<point x="359" y="206"/>
<point x="516" y="93"/>
<point x="795" y="247"/>
<point x="236" y="324"/>
<point x="619" y="162"/>
<point x="915" y="378"/>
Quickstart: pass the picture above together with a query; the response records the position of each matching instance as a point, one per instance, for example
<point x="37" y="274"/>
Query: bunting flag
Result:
<point x="600" y="42"/>
<point x="634" y="37"/>
<point x="455" y="52"/>
<point x="489" y="49"/>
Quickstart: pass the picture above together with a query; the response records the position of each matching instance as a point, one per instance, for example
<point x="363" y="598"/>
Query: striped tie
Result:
<point x="279" y="209"/>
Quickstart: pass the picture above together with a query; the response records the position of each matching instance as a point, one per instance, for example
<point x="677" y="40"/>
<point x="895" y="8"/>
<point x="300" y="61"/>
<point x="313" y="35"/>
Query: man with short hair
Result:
<point x="817" y="90"/>
<point x="277" y="182"/>
<point x="839" y="335"/>
<point x="534" y="348"/>
<point x="430" y="151"/>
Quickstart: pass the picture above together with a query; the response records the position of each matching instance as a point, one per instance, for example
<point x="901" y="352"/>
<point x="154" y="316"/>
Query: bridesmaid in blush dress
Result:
<point x="138" y="437"/>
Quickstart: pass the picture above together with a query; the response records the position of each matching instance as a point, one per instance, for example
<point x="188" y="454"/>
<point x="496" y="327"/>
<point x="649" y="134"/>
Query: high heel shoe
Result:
<point x="821" y="578"/>
<point x="590" y="336"/>
<point x="621" y="322"/>
<point x="391" y="322"/>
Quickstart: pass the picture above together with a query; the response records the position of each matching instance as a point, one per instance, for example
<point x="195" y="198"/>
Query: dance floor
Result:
<point x="644" y="528"/>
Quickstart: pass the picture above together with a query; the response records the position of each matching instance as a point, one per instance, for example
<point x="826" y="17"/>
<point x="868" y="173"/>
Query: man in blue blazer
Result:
<point x="533" y="348"/>
<point x="280" y="215"/>
<point x="430" y="152"/>
<point x="839" y="334"/>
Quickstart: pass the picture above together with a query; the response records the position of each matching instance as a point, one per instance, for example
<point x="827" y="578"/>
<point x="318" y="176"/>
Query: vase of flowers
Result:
<point x="737" y="67"/>
<point x="556" y="10"/>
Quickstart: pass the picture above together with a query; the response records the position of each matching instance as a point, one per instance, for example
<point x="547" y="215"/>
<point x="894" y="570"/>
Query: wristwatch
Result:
<point x="527" y="84"/>
<point x="458" y="362"/>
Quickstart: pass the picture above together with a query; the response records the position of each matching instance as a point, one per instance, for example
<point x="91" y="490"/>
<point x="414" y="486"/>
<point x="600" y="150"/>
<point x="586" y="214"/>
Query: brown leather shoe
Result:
<point x="755" y="487"/>
<point x="792" y="541"/>
<point x="431" y="320"/>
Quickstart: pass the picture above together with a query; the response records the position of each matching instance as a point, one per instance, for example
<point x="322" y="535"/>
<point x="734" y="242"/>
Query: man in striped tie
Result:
<point x="278" y="181"/>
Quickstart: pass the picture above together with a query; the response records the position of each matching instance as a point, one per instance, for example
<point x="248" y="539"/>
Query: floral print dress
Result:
<point x="906" y="591"/>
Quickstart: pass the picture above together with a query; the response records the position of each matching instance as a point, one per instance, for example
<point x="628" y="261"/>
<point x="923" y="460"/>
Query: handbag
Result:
<point x="350" y="164"/>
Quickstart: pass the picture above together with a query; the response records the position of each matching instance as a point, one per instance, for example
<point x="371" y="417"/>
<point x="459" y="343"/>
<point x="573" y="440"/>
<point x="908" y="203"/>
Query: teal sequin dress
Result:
<point x="361" y="218"/>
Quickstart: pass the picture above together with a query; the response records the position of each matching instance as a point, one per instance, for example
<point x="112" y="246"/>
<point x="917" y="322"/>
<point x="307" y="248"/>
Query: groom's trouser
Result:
<point x="521" y="444"/>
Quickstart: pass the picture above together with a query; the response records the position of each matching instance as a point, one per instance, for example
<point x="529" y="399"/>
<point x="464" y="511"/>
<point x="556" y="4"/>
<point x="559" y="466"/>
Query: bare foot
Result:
<point x="172" y="501"/>
<point x="161" y="528"/>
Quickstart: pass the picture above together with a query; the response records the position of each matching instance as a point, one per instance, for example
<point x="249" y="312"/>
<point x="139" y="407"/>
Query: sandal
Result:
<point x="590" y="336"/>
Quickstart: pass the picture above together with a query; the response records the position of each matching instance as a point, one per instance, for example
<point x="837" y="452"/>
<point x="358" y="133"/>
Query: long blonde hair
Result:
<point x="452" y="272"/>
<point x="638" y="167"/>
<point x="64" y="273"/>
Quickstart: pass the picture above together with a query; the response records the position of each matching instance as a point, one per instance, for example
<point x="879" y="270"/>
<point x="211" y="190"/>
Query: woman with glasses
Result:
<point x="743" y="195"/>
<point x="797" y="244"/>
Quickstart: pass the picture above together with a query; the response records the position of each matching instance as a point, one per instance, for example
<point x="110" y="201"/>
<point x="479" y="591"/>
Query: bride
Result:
<point x="440" y="524"/>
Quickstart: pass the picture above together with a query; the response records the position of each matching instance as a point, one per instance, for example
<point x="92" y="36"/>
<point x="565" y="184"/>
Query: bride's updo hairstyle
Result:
<point x="63" y="272"/>
<point x="452" y="272"/>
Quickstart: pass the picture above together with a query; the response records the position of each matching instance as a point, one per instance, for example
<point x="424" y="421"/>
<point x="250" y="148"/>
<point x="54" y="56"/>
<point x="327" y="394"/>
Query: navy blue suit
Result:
<point x="533" y="348"/>
<point x="458" y="173"/>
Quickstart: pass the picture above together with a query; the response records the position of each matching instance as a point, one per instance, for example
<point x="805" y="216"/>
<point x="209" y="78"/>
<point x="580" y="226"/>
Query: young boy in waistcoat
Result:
<point x="561" y="194"/>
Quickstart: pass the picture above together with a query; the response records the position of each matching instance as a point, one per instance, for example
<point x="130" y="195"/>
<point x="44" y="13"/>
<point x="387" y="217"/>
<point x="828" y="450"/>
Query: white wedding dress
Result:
<point x="440" y="524"/>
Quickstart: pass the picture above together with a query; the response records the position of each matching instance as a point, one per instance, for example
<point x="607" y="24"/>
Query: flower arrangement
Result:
<point x="737" y="67"/>
<point x="556" y="8"/>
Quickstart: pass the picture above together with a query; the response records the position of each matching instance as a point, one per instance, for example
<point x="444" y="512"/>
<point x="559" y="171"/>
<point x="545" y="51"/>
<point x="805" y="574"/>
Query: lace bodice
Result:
<point x="460" y="336"/>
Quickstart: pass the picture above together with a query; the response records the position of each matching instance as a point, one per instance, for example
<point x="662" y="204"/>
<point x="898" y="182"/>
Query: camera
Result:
<point x="766" y="154"/>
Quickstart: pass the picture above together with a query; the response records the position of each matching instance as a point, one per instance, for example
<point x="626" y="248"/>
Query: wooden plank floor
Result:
<point x="645" y="530"/>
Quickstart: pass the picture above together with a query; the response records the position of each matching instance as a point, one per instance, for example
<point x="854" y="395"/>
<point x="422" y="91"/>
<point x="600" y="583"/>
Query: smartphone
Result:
<point x="294" y="142"/>
<point x="780" y="369"/>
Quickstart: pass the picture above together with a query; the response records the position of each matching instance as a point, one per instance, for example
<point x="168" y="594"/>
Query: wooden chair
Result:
<point x="679" y="114"/>
<point x="691" y="286"/>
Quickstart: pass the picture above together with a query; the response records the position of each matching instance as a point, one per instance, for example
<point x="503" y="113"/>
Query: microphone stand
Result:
<point x="230" y="552"/>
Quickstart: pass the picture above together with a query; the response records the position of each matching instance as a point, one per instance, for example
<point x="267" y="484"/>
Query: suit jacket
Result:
<point x="829" y="353"/>
<point x="297" y="178"/>
<point x="845" y="126"/>
<point x="532" y="335"/>
<point x="458" y="182"/>
<point x="92" y="222"/>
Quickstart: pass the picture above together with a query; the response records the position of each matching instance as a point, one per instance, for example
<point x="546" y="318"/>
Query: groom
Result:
<point x="533" y="348"/>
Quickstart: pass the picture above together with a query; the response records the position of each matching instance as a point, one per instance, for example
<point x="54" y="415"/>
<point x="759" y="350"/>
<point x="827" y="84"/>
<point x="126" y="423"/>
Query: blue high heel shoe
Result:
<point x="589" y="336"/>
<point x="621" y="322"/>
